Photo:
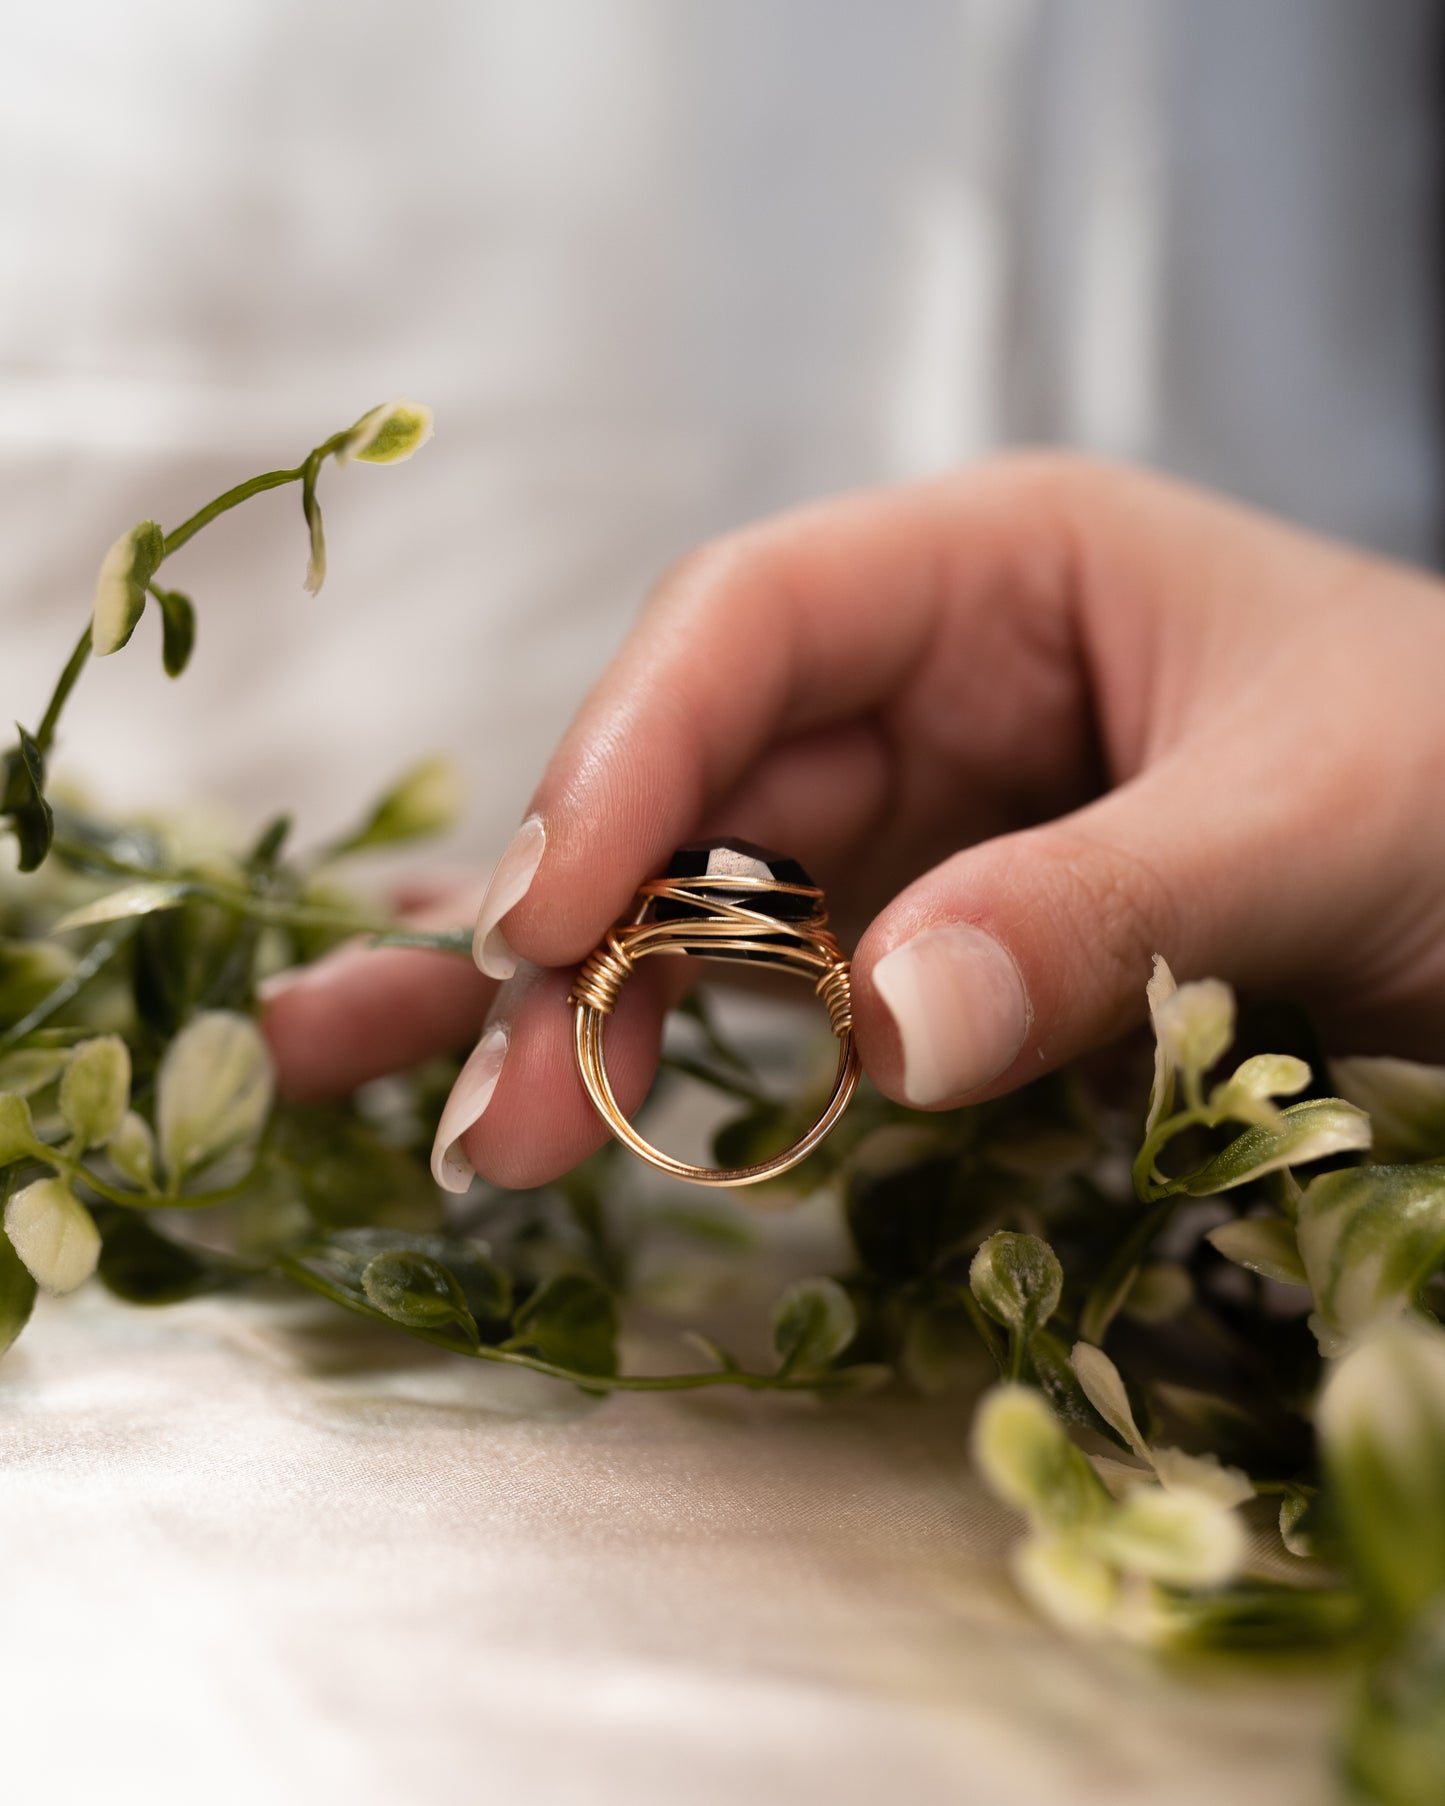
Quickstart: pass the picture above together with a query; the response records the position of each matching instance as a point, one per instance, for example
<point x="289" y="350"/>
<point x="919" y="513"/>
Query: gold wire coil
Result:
<point x="730" y="930"/>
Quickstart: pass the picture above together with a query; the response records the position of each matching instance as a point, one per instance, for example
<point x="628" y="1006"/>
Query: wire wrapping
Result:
<point x="835" y="987"/>
<point x="709" y="925"/>
<point x="602" y="976"/>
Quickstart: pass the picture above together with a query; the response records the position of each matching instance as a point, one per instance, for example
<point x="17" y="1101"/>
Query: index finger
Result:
<point x="797" y="625"/>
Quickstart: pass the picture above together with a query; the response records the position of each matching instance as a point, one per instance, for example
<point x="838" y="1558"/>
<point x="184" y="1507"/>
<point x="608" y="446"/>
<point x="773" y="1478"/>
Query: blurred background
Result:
<point x="660" y="266"/>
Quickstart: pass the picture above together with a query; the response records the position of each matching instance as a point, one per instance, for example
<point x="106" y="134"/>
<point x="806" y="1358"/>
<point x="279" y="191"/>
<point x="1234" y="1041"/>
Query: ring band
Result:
<point x="722" y="900"/>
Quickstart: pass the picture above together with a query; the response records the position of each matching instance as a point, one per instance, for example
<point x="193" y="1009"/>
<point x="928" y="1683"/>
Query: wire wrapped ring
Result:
<point x="719" y="900"/>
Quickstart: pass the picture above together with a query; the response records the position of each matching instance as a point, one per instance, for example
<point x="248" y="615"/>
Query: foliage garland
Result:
<point x="1184" y="1331"/>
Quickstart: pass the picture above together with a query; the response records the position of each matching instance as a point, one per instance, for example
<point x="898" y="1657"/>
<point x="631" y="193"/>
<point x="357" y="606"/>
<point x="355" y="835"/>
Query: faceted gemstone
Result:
<point x="719" y="860"/>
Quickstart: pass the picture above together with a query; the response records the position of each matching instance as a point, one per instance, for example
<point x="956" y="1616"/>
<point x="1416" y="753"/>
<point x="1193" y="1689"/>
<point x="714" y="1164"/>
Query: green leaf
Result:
<point x="29" y="972"/>
<point x="425" y="800"/>
<point x="418" y="1291"/>
<point x="1294" y="1531"/>
<point x="813" y="1322"/>
<point x="1028" y="1460"/>
<point x="486" y="1287"/>
<point x="1116" y="1279"/>
<point x="142" y="1266"/>
<point x="711" y="1351"/>
<point x="337" y="1267"/>
<point x="1404" y="1101"/>
<point x="1264" y="1245"/>
<point x="130" y="900"/>
<point x="24" y="801"/>
<point x="1047" y="1366"/>
<point x="178" y="629"/>
<point x="350" y="1178"/>
<point x="387" y="434"/>
<point x="1370" y="1237"/>
<point x="751" y="1138"/>
<point x="213" y="1092"/>
<point x="31" y="1069"/>
<point x="756" y="1136"/>
<point x="1381" y="1420"/>
<point x="54" y="1234"/>
<point x="132" y="1151"/>
<point x="855" y="1381"/>
<point x="269" y="842"/>
<point x="1160" y="989"/>
<point x="1248" y="1092"/>
<point x="1195" y="1023"/>
<point x="1202" y="1476"/>
<point x="571" y="1321"/>
<point x="120" y="586"/>
<point x="1161" y="1291"/>
<point x="1310" y="1131"/>
<point x="1256" y="1615"/>
<point x="1179" y="1538"/>
<point x="95" y="1090"/>
<point x="94" y="961"/>
<point x="311" y="509"/>
<point x="1104" y="1388"/>
<point x="1394" y="1750"/>
<point x="904" y="1221"/>
<point x="18" y="1140"/>
<point x="1018" y="1281"/>
<point x="1064" y="1580"/>
<point x="17" y="1293"/>
<point x="941" y="1347"/>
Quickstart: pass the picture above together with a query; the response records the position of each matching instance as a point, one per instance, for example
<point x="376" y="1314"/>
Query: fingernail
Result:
<point x="506" y="888"/>
<point x="470" y="1096"/>
<point x="960" y="1007"/>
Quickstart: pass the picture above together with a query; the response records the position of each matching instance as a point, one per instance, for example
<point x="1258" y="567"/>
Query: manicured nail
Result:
<point x="470" y="1096"/>
<point x="960" y="1007"/>
<point x="508" y="885"/>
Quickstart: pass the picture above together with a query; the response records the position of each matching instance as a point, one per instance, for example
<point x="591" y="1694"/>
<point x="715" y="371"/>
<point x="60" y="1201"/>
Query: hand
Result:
<point x="1027" y="725"/>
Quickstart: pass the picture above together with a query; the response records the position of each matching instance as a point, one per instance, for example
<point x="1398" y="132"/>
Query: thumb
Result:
<point x="1016" y="955"/>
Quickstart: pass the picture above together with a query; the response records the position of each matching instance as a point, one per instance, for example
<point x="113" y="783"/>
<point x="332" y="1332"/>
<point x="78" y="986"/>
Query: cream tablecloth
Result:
<point x="248" y="1552"/>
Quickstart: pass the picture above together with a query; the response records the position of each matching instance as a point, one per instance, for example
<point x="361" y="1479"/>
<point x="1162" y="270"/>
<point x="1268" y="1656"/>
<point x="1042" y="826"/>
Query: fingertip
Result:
<point x="537" y="1121"/>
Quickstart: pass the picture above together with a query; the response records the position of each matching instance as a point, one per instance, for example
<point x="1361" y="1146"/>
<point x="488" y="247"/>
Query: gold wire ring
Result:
<point x="719" y="900"/>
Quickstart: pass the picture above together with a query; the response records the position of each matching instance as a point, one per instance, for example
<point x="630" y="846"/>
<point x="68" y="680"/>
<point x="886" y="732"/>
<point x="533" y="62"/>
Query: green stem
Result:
<point x="76" y="1172"/>
<point x="65" y="683"/>
<point x="1144" y="1172"/>
<point x="97" y="957"/>
<point x="97" y="859"/>
<point x="729" y="1083"/>
<point x="188" y="529"/>
<point x="986" y="1329"/>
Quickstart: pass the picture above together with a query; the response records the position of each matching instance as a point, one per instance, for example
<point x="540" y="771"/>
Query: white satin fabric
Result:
<point x="659" y="266"/>
<point x="250" y="1553"/>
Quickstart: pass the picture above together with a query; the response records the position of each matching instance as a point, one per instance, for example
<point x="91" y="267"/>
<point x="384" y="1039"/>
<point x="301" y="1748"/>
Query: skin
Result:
<point x="1095" y="713"/>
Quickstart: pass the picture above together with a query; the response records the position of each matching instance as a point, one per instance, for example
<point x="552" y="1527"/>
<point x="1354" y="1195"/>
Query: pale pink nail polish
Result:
<point x="509" y="883"/>
<point x="470" y="1096"/>
<point x="959" y="1003"/>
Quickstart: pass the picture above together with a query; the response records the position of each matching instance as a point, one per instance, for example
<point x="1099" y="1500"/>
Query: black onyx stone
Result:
<point x="719" y="860"/>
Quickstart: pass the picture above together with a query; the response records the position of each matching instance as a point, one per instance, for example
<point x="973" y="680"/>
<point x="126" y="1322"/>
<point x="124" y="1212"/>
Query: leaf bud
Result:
<point x="120" y="586"/>
<point x="388" y="434"/>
